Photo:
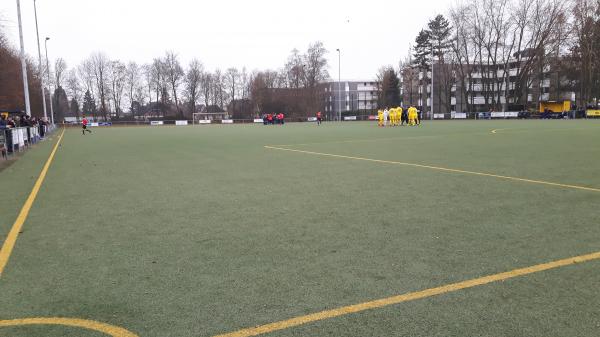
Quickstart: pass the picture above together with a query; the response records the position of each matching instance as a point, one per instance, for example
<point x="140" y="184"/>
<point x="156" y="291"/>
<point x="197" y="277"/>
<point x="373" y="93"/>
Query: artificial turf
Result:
<point x="197" y="231"/>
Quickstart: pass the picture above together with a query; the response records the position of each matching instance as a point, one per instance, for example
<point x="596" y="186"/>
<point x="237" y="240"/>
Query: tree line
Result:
<point x="112" y="89"/>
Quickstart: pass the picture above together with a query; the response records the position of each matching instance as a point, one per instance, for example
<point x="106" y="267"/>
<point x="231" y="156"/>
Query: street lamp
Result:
<point x="432" y="61"/>
<point x="49" y="89"/>
<point x="339" y="84"/>
<point x="37" y="32"/>
<point x="23" y="64"/>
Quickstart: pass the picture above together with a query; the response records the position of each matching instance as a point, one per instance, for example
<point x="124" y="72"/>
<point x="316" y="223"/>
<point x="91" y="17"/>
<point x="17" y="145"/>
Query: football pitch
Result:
<point x="473" y="228"/>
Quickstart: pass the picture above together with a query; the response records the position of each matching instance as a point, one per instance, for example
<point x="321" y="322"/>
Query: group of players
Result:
<point x="398" y="116"/>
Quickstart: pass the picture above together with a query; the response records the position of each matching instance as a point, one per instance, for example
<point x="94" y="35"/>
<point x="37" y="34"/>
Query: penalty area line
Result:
<point x="444" y="169"/>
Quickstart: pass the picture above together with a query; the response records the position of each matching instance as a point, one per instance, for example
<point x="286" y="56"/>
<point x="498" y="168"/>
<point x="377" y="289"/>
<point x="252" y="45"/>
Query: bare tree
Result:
<point x="315" y="72"/>
<point x="174" y="75"/>
<point x="219" y="94"/>
<point x="147" y="70"/>
<point x="192" y="83"/>
<point x="231" y="80"/>
<point x="118" y="78"/>
<point x="133" y="83"/>
<point x="73" y="85"/>
<point x="85" y="72"/>
<point x="585" y="48"/>
<point x="295" y="70"/>
<point x="60" y="67"/>
<point x="207" y="86"/>
<point x="101" y="67"/>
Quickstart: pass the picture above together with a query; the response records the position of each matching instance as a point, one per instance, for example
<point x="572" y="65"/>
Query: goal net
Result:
<point x="207" y="118"/>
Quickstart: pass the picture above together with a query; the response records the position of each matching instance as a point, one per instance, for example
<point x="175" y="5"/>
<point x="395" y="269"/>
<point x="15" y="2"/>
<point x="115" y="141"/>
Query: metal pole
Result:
<point x="340" y="84"/>
<point x="23" y="64"/>
<point x="432" y="60"/>
<point x="49" y="88"/>
<point x="37" y="32"/>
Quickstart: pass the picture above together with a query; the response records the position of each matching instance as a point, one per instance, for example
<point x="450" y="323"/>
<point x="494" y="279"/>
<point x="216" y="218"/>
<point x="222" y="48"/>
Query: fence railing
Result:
<point x="15" y="140"/>
<point x="347" y="118"/>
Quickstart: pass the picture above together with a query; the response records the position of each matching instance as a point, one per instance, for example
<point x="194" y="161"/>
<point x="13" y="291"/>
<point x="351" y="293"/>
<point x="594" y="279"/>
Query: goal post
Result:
<point x="199" y="118"/>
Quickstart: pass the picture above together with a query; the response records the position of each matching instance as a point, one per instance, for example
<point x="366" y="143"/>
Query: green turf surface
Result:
<point x="196" y="231"/>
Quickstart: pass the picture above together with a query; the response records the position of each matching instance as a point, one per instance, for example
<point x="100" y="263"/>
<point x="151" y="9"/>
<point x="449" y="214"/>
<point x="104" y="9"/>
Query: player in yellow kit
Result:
<point x="379" y="118"/>
<point x="398" y="115"/>
<point x="417" y="120"/>
<point x="412" y="116"/>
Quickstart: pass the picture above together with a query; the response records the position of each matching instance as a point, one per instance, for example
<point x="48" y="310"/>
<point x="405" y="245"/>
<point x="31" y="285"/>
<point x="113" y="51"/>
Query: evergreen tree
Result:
<point x="440" y="44"/>
<point x="422" y="52"/>
<point x="422" y="49"/>
<point x="89" y="105"/>
<point x="439" y="36"/>
<point x="389" y="85"/>
<point x="60" y="103"/>
<point x="74" y="107"/>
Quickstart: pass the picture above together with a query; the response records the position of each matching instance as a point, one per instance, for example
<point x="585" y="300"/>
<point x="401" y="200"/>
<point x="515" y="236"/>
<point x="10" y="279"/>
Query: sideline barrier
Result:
<point x="227" y="121"/>
<point x="13" y="140"/>
<point x="311" y="119"/>
<point x="592" y="113"/>
<point x="350" y="118"/>
<point x="156" y="122"/>
<point x="181" y="123"/>
<point x="256" y="120"/>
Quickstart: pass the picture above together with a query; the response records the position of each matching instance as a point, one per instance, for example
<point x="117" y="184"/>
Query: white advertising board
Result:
<point x="227" y="121"/>
<point x="156" y="122"/>
<point x="181" y="123"/>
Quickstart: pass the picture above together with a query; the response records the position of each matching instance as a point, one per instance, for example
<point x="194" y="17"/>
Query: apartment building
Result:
<point x="357" y="97"/>
<point x="481" y="88"/>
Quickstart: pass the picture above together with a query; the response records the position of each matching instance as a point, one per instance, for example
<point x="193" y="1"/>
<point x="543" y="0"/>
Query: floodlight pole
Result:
<point x="49" y="89"/>
<point x="339" y="84"/>
<point x="23" y="64"/>
<point x="37" y="32"/>
<point x="432" y="61"/>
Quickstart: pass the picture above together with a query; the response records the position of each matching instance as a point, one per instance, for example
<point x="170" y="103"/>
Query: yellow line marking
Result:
<point x="384" y="302"/>
<point x="107" y="329"/>
<point x="530" y="130"/>
<point x="445" y="169"/>
<point x="11" y="239"/>
<point x="363" y="140"/>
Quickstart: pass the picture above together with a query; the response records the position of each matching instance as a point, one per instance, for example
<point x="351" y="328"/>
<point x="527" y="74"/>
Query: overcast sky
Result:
<point x="257" y="34"/>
